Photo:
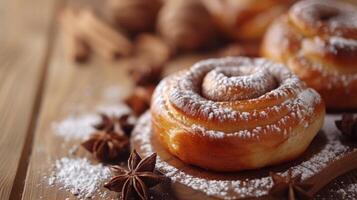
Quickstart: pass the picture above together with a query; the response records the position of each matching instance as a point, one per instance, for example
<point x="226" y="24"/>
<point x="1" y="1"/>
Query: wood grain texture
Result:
<point x="73" y="90"/>
<point x="25" y="27"/>
<point x="70" y="90"/>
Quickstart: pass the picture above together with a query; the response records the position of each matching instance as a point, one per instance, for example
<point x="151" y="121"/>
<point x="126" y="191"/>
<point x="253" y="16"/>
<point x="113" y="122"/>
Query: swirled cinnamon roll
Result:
<point x="246" y="19"/>
<point x="235" y="113"/>
<point x="317" y="40"/>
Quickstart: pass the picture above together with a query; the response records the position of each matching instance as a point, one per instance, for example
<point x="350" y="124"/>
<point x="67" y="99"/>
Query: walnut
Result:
<point x="185" y="24"/>
<point x="134" y="15"/>
<point x="152" y="49"/>
<point x="140" y="99"/>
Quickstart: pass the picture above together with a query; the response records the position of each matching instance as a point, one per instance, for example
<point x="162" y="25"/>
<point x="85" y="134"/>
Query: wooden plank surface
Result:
<point x="70" y="89"/>
<point x="73" y="90"/>
<point x="25" y="27"/>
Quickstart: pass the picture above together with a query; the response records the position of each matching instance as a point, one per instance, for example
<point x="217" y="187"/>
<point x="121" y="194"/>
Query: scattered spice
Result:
<point x="137" y="179"/>
<point x="140" y="99"/>
<point x="348" y="126"/>
<point x="289" y="187"/>
<point x="145" y="74"/>
<point x="115" y="124"/>
<point x="107" y="146"/>
<point x="126" y="124"/>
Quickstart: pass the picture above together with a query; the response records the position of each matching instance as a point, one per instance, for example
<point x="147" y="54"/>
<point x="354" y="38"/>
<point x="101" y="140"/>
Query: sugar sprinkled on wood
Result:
<point x="79" y="177"/>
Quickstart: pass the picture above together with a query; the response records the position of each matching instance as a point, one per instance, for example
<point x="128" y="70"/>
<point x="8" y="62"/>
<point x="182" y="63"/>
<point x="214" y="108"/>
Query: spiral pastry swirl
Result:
<point x="317" y="40"/>
<point x="246" y="19"/>
<point x="235" y="113"/>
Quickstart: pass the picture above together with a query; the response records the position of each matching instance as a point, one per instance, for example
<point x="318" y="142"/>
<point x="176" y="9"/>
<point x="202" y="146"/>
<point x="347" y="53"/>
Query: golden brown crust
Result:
<point x="246" y="19"/>
<point x="317" y="40"/>
<point x="270" y="118"/>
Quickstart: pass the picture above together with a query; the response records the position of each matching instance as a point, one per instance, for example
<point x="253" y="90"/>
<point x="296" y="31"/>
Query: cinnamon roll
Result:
<point x="317" y="40"/>
<point x="235" y="113"/>
<point x="246" y="19"/>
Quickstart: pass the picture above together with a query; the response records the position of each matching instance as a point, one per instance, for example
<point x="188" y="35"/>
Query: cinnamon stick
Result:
<point x="105" y="40"/>
<point x="332" y="171"/>
<point x="77" y="49"/>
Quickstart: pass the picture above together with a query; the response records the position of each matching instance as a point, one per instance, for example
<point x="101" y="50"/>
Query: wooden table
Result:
<point x="39" y="86"/>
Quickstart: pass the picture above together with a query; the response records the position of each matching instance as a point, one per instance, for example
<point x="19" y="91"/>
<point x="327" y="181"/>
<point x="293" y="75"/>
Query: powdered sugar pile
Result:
<point x="81" y="126"/>
<point x="74" y="127"/>
<point x="350" y="192"/>
<point x="113" y="93"/>
<point x="232" y="189"/>
<point x="79" y="177"/>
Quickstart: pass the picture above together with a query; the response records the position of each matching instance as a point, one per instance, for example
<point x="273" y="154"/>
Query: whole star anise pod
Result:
<point x="137" y="179"/>
<point x="140" y="99"/>
<point x="107" y="146"/>
<point x="289" y="187"/>
<point x="145" y="74"/>
<point x="115" y="124"/>
<point x="348" y="126"/>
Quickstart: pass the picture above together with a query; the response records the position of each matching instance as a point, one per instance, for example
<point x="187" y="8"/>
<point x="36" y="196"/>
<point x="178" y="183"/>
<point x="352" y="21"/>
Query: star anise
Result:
<point x="289" y="187"/>
<point x="107" y="146"/>
<point x="348" y="126"/>
<point x="140" y="99"/>
<point x="115" y="124"/>
<point x="137" y="179"/>
<point x="146" y="74"/>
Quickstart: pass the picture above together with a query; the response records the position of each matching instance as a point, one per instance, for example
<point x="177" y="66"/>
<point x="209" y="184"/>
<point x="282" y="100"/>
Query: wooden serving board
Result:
<point x="190" y="182"/>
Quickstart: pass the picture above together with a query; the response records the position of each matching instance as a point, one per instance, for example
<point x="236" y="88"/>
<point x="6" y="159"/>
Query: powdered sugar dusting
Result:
<point x="325" y="17"/>
<point x="76" y="127"/>
<point x="343" y="42"/>
<point x="191" y="95"/>
<point x="348" y="193"/>
<point x="232" y="189"/>
<point x="81" y="126"/>
<point x="330" y="42"/>
<point x="331" y="79"/>
<point x="232" y="83"/>
<point x="79" y="177"/>
<point x="113" y="93"/>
